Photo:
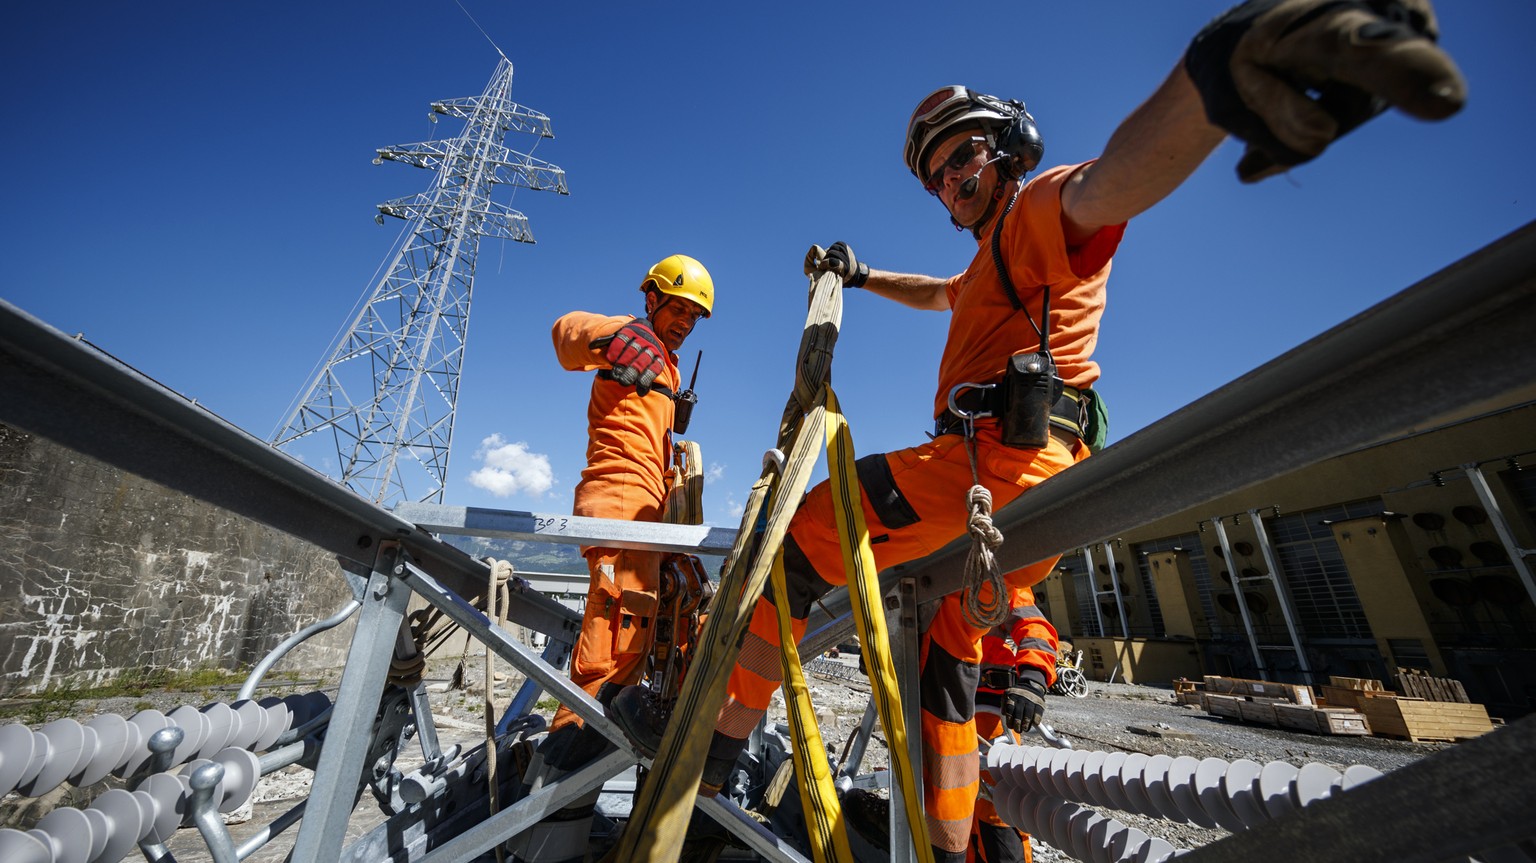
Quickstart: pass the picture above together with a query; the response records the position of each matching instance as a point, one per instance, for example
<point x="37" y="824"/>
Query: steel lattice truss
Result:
<point x="387" y="394"/>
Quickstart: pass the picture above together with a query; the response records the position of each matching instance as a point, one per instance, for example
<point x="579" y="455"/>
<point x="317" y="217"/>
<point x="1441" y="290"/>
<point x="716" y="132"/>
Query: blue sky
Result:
<point x="190" y="185"/>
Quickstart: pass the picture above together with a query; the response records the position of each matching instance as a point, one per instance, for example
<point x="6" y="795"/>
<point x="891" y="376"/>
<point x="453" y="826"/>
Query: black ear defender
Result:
<point x="1020" y="140"/>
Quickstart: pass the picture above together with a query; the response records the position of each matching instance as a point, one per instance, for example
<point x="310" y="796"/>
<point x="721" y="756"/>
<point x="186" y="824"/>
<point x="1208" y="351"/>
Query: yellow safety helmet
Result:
<point x="682" y="276"/>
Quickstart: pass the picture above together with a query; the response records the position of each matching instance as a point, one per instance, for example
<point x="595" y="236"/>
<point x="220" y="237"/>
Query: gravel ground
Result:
<point x="1101" y="721"/>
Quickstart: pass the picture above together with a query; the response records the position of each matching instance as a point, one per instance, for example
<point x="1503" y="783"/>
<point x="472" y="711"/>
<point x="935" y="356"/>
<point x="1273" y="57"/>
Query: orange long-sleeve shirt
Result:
<point x="628" y="435"/>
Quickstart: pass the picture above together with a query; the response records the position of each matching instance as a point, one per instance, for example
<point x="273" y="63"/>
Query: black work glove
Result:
<point x="837" y="258"/>
<point x="636" y="353"/>
<point x="1024" y="702"/>
<point x="1290" y="77"/>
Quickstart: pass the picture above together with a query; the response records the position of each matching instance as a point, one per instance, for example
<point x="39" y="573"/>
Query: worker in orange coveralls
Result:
<point x="1018" y="665"/>
<point x="1288" y="77"/>
<point x="629" y="443"/>
<point x="630" y="422"/>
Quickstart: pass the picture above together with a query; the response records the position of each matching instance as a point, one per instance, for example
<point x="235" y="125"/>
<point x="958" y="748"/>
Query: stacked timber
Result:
<point x="1351" y="692"/>
<point x="1285" y="705"/>
<point x="1418" y="684"/>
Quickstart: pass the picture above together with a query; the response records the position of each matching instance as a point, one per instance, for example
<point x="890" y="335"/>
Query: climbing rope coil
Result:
<point x="1047" y="793"/>
<point x="214" y="745"/>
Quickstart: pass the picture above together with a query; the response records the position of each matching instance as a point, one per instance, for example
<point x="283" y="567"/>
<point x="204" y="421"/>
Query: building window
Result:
<point x="1082" y="585"/>
<point x="1313" y="568"/>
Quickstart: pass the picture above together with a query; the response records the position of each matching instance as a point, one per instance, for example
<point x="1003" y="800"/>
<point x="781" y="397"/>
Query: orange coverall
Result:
<point x="628" y="448"/>
<point x="1034" y="646"/>
<point x="914" y="499"/>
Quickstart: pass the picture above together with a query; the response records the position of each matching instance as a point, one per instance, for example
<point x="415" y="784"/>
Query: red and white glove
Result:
<point x="636" y="353"/>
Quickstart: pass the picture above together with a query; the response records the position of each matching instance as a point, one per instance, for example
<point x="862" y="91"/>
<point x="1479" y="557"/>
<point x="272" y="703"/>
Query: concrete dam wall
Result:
<point x="103" y="572"/>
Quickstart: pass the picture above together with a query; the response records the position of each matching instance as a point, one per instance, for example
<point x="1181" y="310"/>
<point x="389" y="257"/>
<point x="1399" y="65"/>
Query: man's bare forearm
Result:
<point x="909" y="289"/>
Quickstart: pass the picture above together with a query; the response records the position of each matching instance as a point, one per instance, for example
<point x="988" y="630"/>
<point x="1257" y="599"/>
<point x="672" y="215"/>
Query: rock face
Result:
<point x="102" y="572"/>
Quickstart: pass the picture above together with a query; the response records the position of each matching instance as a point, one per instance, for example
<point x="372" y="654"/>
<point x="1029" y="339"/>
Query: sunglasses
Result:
<point x="963" y="154"/>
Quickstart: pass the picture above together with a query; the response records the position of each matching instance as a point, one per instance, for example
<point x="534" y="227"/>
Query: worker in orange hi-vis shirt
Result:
<point x="1015" y="403"/>
<point x="1018" y="664"/>
<point x="631" y="418"/>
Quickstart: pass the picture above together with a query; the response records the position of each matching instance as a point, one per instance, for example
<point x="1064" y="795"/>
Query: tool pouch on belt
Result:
<point x="1030" y="388"/>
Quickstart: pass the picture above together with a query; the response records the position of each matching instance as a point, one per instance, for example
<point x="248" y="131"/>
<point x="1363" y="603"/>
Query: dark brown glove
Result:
<point x="1290" y="77"/>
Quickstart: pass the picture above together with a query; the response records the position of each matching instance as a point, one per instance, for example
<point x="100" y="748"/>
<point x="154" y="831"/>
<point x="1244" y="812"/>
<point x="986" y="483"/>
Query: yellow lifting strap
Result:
<point x="818" y="796"/>
<point x="869" y="621"/>
<point x="659" y="818"/>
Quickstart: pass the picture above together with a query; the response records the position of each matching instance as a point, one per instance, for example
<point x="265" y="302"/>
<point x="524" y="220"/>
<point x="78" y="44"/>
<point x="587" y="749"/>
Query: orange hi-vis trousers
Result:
<point x="616" y="624"/>
<point x="914" y="503"/>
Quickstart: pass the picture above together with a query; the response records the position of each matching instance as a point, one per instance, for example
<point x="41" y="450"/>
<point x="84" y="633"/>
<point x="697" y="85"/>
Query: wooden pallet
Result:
<point x="1423" y="721"/>
<point x="1334" y="721"/>
<point x="1290" y="692"/>
<point x="1418" y="684"/>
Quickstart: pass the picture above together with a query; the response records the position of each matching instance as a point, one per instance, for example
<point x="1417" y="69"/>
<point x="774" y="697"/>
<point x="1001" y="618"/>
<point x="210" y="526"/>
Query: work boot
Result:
<point x="571" y="747"/>
<point x="637" y="713"/>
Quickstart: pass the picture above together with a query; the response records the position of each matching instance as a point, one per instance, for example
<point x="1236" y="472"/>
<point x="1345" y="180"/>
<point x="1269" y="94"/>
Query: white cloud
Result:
<point x="733" y="507"/>
<point x="509" y="468"/>
<point x="716" y="470"/>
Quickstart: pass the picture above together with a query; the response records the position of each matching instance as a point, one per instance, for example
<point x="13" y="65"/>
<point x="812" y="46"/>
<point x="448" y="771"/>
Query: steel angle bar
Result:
<point x="567" y="529"/>
<point x="334" y="792"/>
<point x="475" y="623"/>
<point x="65" y="390"/>
<point x="1442" y="347"/>
<point x="487" y="832"/>
<point x="754" y="835"/>
<point x="1482" y="795"/>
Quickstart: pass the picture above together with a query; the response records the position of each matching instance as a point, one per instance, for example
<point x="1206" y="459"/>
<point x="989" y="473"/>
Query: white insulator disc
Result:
<point x="1181" y="787"/>
<point x="1123" y="845"/>
<point x="1277" y="788"/>
<point x="126" y="823"/>
<point x="101" y="830"/>
<point x="1061" y="826"/>
<point x="242" y="770"/>
<point x="19" y="847"/>
<point x="1098" y="839"/>
<point x="1075" y="780"/>
<point x="1154" y="778"/>
<point x="112" y="736"/>
<point x="1045" y="818"/>
<point x="1316" y="781"/>
<point x="222" y="725"/>
<point x="71" y="833"/>
<point x="1358" y="774"/>
<point x="253" y="723"/>
<point x="1114" y="785"/>
<point x="1155" y="851"/>
<point x="1208" y="778"/>
<point x="148" y="722"/>
<point x="1135" y="790"/>
<point x="1056" y="778"/>
<point x="16" y="746"/>
<point x="278" y="717"/>
<point x="64" y="738"/>
<point x="1037" y="775"/>
<point x="1241" y="788"/>
<point x="170" y="805"/>
<point x="1080" y="824"/>
<point x="195" y="727"/>
<point x="1093" y="778"/>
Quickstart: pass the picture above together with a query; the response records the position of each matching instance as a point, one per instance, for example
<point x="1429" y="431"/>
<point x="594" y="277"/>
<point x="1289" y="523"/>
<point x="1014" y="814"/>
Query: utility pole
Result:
<point x="388" y="392"/>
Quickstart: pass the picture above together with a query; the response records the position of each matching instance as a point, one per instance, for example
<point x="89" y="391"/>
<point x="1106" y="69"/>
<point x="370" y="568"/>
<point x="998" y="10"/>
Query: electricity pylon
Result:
<point x="388" y="392"/>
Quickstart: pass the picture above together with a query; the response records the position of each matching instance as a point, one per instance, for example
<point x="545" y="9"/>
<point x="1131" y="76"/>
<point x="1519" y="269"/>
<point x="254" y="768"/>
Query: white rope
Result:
<point x="983" y="609"/>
